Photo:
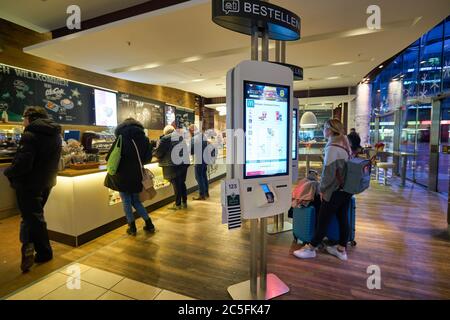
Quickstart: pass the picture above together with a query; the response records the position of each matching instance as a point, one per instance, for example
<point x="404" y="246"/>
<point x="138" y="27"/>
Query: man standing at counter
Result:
<point x="33" y="174"/>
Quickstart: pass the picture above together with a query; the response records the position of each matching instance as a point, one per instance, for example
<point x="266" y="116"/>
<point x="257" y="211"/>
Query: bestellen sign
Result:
<point x="242" y="15"/>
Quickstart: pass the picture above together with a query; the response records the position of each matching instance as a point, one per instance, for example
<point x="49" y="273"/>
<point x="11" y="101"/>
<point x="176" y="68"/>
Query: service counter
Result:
<point x="8" y="205"/>
<point x="80" y="208"/>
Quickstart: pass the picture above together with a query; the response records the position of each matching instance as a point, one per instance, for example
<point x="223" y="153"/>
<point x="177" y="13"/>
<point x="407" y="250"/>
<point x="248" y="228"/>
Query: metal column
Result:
<point x="434" y="145"/>
<point x="270" y="286"/>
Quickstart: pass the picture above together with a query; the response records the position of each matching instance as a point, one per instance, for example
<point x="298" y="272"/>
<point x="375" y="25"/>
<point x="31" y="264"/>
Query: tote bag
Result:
<point x="114" y="157"/>
<point x="148" y="187"/>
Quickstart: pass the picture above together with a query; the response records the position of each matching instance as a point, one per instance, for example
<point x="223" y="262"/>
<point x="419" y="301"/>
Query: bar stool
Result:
<point x="385" y="166"/>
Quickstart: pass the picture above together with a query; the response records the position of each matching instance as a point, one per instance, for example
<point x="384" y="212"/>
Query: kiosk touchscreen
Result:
<point x="259" y="96"/>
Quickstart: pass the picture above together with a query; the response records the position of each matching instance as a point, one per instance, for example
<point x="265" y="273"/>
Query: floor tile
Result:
<point x="68" y="271"/>
<point x="136" y="290"/>
<point x="114" y="296"/>
<point x="169" y="295"/>
<point x="87" y="291"/>
<point x="41" y="288"/>
<point x="101" y="278"/>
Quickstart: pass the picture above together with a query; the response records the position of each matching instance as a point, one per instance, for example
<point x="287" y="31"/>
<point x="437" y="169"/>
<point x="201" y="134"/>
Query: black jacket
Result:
<point x="355" y="140"/>
<point x="128" y="177"/>
<point x="164" y="154"/>
<point x="35" y="165"/>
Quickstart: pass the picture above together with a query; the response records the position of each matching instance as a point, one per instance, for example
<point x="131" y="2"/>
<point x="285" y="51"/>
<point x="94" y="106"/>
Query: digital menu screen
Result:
<point x="294" y="134"/>
<point x="170" y="116"/>
<point x="267" y="129"/>
<point x="105" y="108"/>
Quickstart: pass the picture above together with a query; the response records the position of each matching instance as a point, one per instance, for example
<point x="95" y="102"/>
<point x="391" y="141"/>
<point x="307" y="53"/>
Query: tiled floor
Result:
<point x="81" y="282"/>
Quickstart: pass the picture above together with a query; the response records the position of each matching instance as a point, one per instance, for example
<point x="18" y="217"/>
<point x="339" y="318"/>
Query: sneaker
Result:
<point x="149" y="227"/>
<point x="27" y="257"/>
<point x="306" y="252"/>
<point x="333" y="250"/>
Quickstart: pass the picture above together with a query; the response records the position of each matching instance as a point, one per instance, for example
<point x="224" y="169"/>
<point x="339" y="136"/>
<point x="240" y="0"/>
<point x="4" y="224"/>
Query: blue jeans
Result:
<point x="201" y="175"/>
<point x="131" y="200"/>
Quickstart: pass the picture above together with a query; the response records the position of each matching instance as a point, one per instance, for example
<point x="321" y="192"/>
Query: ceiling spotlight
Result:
<point x="381" y="67"/>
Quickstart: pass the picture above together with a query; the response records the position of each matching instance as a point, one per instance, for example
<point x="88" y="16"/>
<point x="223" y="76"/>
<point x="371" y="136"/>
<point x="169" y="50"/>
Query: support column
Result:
<point x="434" y="145"/>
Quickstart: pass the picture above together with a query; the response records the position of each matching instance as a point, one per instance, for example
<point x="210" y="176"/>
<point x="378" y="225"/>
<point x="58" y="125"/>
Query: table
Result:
<point x="308" y="152"/>
<point x="404" y="159"/>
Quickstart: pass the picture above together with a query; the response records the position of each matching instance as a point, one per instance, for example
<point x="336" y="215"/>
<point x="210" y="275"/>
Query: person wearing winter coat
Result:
<point x="33" y="174"/>
<point x="172" y="153"/>
<point x="335" y="201"/>
<point x="128" y="178"/>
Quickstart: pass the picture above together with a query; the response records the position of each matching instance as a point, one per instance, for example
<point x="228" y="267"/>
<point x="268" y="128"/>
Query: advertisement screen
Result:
<point x="105" y="108"/>
<point x="170" y="116"/>
<point x="267" y="129"/>
<point x="294" y="134"/>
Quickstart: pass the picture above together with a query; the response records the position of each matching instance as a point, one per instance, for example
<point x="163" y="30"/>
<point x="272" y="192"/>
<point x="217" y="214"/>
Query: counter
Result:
<point x="81" y="209"/>
<point x="8" y="206"/>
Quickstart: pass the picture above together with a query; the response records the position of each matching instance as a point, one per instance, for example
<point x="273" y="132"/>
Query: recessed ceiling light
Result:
<point x="381" y="67"/>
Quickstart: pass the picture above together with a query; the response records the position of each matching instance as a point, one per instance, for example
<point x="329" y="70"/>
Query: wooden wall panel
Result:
<point x="14" y="38"/>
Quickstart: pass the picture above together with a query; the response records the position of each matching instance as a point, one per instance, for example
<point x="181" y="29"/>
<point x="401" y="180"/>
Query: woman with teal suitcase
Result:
<point x="335" y="201"/>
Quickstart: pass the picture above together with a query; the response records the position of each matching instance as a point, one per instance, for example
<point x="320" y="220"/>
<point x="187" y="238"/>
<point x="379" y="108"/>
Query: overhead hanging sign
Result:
<point x="242" y="15"/>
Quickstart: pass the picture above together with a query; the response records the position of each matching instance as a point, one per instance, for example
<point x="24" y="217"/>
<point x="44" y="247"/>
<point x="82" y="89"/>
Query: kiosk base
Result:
<point x="275" y="288"/>
<point x="274" y="229"/>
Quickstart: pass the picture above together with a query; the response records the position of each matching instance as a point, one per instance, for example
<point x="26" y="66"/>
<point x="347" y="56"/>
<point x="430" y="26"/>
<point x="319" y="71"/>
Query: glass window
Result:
<point x="410" y="71"/>
<point x="446" y="61"/>
<point x="386" y="132"/>
<point x="430" y="62"/>
<point x="408" y="137"/>
<point x="423" y="144"/>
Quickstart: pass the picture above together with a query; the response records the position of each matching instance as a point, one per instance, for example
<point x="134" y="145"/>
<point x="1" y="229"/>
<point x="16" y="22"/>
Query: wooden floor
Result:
<point x="399" y="230"/>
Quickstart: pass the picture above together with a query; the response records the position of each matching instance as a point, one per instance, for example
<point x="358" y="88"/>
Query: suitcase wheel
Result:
<point x="353" y="243"/>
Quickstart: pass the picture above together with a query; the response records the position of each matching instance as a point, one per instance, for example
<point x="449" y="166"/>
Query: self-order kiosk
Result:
<point x="259" y="100"/>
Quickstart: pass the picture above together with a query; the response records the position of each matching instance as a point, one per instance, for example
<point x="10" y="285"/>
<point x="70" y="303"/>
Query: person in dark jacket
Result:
<point x="128" y="178"/>
<point x="198" y="146"/>
<point x="355" y="141"/>
<point x="33" y="174"/>
<point x="174" y="164"/>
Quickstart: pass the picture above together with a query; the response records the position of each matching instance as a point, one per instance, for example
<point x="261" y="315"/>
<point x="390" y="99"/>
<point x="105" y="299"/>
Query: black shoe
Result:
<point x="132" y="229"/>
<point x="149" y="227"/>
<point x="175" y="207"/>
<point x="207" y="195"/>
<point x="184" y="205"/>
<point x="27" y="257"/>
<point x="42" y="259"/>
<point x="201" y="198"/>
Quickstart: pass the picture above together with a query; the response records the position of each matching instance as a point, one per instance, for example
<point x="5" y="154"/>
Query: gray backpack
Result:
<point x="357" y="175"/>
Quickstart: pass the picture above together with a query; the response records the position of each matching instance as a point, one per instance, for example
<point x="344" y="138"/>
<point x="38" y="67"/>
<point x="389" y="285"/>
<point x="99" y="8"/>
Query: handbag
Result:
<point x="148" y="186"/>
<point x="114" y="157"/>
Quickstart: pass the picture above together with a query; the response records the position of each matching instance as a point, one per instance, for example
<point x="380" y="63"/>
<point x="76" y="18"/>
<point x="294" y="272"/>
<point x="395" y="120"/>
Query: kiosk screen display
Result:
<point x="105" y="108"/>
<point x="294" y="134"/>
<point x="267" y="129"/>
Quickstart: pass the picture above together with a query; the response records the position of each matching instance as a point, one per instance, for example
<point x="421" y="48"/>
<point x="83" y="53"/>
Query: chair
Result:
<point x="385" y="166"/>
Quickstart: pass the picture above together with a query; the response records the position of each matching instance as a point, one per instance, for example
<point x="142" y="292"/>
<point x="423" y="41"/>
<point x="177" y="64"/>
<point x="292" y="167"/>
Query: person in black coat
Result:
<point x="355" y="141"/>
<point x="128" y="178"/>
<point x="174" y="170"/>
<point x="33" y="174"/>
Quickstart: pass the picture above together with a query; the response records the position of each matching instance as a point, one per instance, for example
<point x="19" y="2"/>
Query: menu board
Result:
<point x="66" y="102"/>
<point x="184" y="118"/>
<point x="149" y="113"/>
<point x="267" y="128"/>
<point x="105" y="108"/>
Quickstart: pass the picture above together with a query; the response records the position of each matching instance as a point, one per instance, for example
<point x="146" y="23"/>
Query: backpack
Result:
<point x="114" y="157"/>
<point x="357" y="174"/>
